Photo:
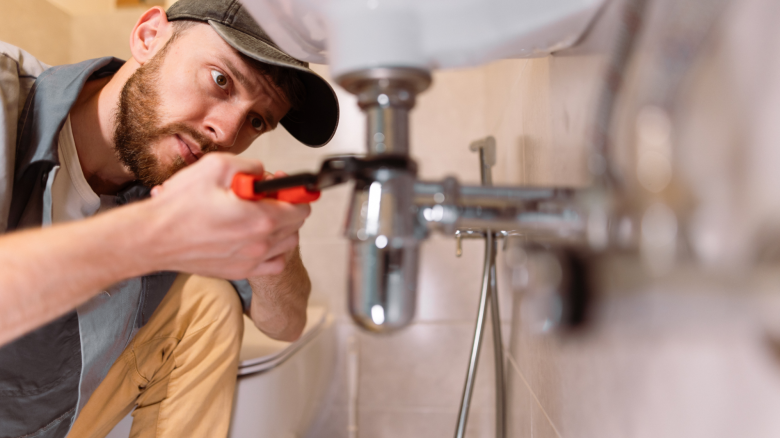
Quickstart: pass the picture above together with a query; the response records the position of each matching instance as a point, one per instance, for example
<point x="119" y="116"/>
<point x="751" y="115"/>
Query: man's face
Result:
<point x="195" y="96"/>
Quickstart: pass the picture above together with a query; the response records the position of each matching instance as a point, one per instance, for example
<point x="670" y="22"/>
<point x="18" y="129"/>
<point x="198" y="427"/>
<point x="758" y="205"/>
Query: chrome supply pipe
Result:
<point x="476" y="344"/>
<point x="487" y="159"/>
<point x="545" y="215"/>
<point x="498" y="352"/>
<point x="427" y="192"/>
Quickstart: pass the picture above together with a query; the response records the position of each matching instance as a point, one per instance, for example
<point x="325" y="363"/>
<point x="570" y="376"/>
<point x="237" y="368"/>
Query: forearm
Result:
<point x="279" y="301"/>
<point x="194" y="223"/>
<point x="49" y="272"/>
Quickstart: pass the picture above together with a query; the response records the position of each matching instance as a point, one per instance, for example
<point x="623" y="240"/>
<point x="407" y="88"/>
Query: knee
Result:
<point x="217" y="310"/>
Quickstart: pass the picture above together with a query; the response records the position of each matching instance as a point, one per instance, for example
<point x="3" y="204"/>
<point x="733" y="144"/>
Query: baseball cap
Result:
<point x="314" y="123"/>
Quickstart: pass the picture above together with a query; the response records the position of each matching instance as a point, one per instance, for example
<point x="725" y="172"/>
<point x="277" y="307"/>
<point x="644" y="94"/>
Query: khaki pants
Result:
<point x="179" y="371"/>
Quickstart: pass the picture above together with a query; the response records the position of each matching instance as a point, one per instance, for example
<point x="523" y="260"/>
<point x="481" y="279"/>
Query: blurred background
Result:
<point x="681" y="340"/>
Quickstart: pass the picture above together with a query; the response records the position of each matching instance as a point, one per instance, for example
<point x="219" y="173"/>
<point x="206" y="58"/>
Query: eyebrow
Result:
<point x="235" y="72"/>
<point x="245" y="82"/>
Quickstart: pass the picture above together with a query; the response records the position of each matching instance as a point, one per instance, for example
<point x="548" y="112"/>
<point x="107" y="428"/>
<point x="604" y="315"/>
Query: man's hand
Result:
<point x="202" y="227"/>
<point x="194" y="223"/>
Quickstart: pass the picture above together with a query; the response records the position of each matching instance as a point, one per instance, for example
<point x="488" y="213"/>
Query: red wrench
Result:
<point x="303" y="188"/>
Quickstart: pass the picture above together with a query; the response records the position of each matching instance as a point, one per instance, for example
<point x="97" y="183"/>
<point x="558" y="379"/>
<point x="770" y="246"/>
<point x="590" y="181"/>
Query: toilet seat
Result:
<point x="260" y="353"/>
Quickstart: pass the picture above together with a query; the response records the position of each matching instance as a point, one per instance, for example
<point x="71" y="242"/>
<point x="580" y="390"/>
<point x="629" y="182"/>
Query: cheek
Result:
<point x="183" y="100"/>
<point x="245" y="139"/>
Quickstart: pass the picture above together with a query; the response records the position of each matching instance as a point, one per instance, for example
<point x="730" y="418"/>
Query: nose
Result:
<point x="223" y="124"/>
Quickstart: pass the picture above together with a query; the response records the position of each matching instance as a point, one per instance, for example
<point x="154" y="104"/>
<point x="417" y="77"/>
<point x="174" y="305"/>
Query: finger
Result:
<point x="156" y="190"/>
<point x="282" y="213"/>
<point x="280" y="174"/>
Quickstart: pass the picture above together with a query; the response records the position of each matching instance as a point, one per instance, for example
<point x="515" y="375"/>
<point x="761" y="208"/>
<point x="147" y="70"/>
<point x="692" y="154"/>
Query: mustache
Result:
<point x="203" y="142"/>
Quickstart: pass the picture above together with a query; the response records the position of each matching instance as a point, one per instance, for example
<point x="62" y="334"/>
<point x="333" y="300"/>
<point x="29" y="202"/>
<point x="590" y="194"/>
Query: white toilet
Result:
<point x="281" y="385"/>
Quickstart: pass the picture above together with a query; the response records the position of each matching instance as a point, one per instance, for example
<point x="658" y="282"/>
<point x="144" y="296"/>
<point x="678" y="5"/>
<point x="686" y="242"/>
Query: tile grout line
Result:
<point x="517" y="368"/>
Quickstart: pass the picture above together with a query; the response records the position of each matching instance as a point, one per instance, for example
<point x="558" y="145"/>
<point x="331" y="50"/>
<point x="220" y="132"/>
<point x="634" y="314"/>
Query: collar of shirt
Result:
<point x="45" y="111"/>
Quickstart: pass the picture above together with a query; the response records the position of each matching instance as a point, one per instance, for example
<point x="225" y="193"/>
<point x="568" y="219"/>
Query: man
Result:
<point x="93" y="319"/>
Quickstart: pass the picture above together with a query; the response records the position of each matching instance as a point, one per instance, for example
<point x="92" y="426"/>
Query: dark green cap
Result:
<point x="314" y="123"/>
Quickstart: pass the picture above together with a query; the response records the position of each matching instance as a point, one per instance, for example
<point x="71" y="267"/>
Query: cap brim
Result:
<point x="315" y="122"/>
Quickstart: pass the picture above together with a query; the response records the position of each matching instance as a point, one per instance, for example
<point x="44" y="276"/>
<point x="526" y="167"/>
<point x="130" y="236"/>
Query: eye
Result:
<point x="219" y="78"/>
<point x="257" y="123"/>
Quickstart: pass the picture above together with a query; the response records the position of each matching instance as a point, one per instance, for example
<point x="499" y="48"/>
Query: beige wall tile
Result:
<point x="519" y="405"/>
<point x="535" y="138"/>
<point x="38" y="27"/>
<point x="525" y="416"/>
<point x="540" y="112"/>
<point x="575" y="84"/>
<point x="422" y="367"/>
<point x="449" y="287"/>
<point x="502" y="84"/>
<point x="332" y="425"/>
<point x="448" y="117"/>
<point x="327" y="264"/>
<point x="541" y="425"/>
<point x="664" y="362"/>
<point x="85" y="7"/>
<point x="421" y="423"/>
<point x="103" y="34"/>
<point x="504" y="119"/>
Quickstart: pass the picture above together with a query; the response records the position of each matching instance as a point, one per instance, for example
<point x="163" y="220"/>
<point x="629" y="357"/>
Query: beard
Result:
<point x="139" y="126"/>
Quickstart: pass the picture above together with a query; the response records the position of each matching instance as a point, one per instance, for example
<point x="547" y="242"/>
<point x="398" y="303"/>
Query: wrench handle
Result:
<point x="286" y="189"/>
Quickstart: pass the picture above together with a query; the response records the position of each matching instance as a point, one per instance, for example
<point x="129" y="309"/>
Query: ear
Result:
<point x="149" y="35"/>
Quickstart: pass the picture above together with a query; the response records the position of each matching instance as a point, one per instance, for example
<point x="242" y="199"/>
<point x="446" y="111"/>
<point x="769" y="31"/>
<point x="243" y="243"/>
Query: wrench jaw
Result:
<point x="341" y="169"/>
